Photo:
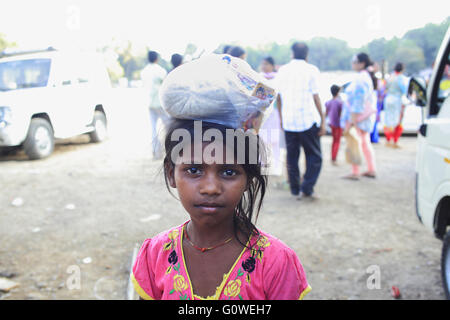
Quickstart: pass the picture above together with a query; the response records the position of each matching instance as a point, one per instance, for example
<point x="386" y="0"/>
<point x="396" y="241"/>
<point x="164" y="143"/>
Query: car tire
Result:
<point x="100" y="127"/>
<point x="39" y="142"/>
<point x="445" y="265"/>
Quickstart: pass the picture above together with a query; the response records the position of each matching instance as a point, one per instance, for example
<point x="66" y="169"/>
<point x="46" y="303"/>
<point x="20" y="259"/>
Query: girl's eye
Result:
<point x="229" y="172"/>
<point x="193" y="170"/>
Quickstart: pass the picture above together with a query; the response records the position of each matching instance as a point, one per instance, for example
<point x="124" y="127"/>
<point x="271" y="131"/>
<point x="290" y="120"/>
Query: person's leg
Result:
<point x="338" y="140"/>
<point x="387" y="134"/>
<point x="397" y="133"/>
<point x="276" y="169"/>
<point x="293" y="154"/>
<point x="368" y="152"/>
<point x="334" y="143"/>
<point x="154" y="135"/>
<point x="310" y="141"/>
<point x="374" y="135"/>
<point x="355" y="170"/>
<point x="161" y="114"/>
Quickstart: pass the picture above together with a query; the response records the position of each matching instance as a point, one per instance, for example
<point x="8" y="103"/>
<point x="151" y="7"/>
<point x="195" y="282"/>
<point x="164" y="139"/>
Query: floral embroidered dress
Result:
<point x="269" y="271"/>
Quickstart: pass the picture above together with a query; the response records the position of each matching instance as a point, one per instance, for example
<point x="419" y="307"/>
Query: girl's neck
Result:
<point x="206" y="235"/>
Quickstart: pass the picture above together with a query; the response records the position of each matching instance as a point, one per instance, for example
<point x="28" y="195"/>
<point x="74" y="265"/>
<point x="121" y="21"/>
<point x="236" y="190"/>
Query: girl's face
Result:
<point x="266" y="67"/>
<point x="356" y="65"/>
<point x="209" y="192"/>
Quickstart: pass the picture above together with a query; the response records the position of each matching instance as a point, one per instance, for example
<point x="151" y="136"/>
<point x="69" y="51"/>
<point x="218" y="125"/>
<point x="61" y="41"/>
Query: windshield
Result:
<point x="21" y="74"/>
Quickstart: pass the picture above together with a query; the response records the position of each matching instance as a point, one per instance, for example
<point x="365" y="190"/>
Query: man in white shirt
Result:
<point x="299" y="105"/>
<point x="152" y="76"/>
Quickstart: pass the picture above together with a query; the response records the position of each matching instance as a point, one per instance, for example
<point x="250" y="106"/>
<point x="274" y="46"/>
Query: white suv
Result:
<point x="433" y="154"/>
<point x="51" y="94"/>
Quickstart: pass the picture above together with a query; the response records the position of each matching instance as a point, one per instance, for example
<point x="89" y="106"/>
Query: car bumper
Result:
<point x="11" y="136"/>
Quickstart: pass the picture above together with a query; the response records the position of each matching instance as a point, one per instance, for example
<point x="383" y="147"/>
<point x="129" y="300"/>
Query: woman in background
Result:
<point x="396" y="88"/>
<point x="272" y="124"/>
<point x="358" y="111"/>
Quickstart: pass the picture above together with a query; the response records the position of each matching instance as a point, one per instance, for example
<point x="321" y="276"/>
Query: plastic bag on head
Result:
<point x="219" y="89"/>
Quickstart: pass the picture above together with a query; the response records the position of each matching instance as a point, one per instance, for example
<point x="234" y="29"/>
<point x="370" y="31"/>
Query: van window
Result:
<point x="21" y="74"/>
<point x="441" y="90"/>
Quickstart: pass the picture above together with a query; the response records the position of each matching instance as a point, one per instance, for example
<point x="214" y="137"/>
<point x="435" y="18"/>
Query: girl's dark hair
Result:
<point x="236" y="51"/>
<point x="269" y="60"/>
<point x="364" y="58"/>
<point x="399" y="67"/>
<point x="253" y="196"/>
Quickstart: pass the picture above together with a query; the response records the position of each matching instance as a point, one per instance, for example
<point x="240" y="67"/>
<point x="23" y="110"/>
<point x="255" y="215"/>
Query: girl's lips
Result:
<point x="209" y="207"/>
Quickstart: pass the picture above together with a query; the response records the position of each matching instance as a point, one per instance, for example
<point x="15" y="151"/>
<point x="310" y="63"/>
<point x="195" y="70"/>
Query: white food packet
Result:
<point x="217" y="88"/>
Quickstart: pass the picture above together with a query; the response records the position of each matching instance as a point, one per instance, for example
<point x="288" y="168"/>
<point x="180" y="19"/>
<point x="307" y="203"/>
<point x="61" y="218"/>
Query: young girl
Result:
<point x="218" y="253"/>
<point x="359" y="102"/>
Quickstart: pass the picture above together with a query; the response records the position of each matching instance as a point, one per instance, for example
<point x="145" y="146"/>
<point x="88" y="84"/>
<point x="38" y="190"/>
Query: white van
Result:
<point x="51" y="94"/>
<point x="433" y="153"/>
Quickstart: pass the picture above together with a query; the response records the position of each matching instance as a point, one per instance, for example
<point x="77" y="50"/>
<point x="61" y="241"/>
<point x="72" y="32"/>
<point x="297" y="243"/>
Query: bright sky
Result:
<point x="167" y="26"/>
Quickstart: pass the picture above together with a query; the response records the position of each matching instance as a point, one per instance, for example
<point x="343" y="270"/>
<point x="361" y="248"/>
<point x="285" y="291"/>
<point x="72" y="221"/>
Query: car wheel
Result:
<point x="39" y="142"/>
<point x="445" y="265"/>
<point x="100" y="128"/>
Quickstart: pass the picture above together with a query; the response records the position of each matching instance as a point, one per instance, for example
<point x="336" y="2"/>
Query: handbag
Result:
<point x="352" y="151"/>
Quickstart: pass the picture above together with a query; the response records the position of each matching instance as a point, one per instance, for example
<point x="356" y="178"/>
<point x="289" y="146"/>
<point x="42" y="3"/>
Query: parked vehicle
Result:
<point x="51" y="94"/>
<point x="433" y="154"/>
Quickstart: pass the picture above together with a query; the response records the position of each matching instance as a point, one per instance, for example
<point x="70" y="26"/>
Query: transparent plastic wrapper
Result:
<point x="219" y="89"/>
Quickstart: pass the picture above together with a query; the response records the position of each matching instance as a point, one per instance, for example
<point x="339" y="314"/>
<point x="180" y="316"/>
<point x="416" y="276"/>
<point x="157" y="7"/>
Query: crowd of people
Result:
<point x="352" y="113"/>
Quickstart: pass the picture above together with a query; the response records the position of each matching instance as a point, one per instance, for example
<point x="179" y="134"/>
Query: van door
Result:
<point x="434" y="140"/>
<point x="86" y="89"/>
<point x="62" y="100"/>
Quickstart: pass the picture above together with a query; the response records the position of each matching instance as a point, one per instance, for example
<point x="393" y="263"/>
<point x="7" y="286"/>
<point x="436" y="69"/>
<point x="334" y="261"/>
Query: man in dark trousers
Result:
<point x="299" y="107"/>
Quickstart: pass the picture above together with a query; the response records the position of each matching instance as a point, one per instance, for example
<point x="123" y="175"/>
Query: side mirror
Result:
<point x="417" y="92"/>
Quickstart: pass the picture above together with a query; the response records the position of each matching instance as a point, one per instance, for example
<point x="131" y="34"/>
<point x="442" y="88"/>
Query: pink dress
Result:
<point x="269" y="271"/>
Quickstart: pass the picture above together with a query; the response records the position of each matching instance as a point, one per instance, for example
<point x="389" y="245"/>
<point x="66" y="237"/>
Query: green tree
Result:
<point x="329" y="54"/>
<point x="4" y="43"/>
<point x="281" y="53"/>
<point x="410" y="54"/>
<point x="429" y="38"/>
<point x="131" y="64"/>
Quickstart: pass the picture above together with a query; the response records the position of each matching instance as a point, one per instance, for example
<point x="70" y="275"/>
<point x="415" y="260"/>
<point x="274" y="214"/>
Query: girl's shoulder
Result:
<point x="162" y="239"/>
<point x="273" y="246"/>
<point x="281" y="271"/>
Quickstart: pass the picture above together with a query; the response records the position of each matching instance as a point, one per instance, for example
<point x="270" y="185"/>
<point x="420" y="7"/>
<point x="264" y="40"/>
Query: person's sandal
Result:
<point x="351" y="177"/>
<point x="369" y="175"/>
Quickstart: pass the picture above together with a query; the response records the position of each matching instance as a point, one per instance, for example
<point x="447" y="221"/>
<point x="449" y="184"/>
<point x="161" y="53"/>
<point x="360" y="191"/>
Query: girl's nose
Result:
<point x="210" y="185"/>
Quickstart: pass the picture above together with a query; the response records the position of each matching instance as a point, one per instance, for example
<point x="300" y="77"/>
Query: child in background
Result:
<point x="333" y="111"/>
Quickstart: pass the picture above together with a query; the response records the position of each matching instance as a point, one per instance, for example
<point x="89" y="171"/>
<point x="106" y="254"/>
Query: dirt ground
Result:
<point x="89" y="205"/>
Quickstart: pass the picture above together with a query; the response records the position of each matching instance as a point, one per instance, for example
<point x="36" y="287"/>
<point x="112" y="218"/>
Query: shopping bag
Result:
<point x="353" y="150"/>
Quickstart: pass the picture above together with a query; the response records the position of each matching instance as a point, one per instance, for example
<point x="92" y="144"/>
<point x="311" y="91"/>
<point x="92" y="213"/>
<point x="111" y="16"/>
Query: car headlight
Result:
<point x="5" y="116"/>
